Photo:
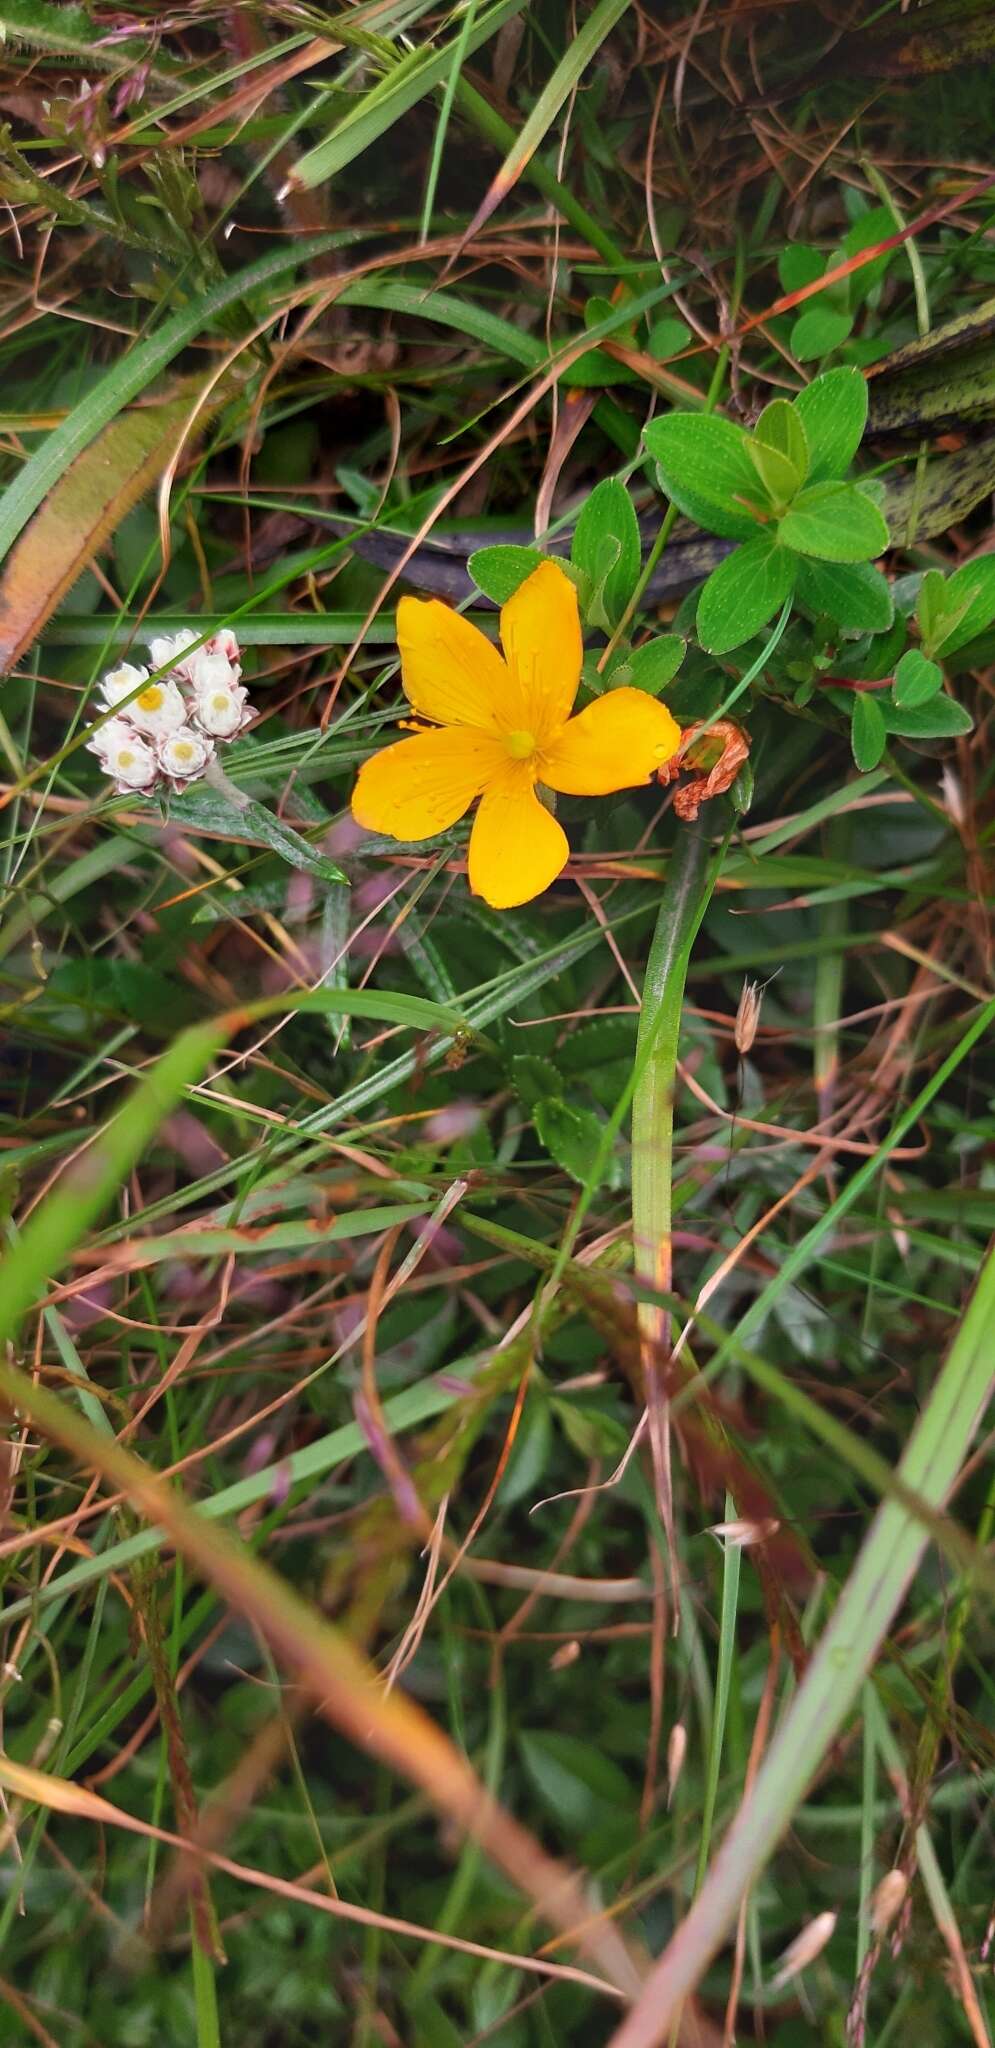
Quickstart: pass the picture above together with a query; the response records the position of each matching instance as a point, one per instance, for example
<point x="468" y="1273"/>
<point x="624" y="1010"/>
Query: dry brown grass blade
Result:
<point x="60" y="1795"/>
<point x="81" y="513"/>
<point x="346" y="1687"/>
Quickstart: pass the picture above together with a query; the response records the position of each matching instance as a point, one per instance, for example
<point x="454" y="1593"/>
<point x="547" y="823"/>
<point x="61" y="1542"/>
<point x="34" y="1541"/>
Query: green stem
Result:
<point x="680" y="915"/>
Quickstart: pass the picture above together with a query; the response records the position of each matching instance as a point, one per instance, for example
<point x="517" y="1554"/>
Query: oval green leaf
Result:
<point x="743" y="593"/>
<point x="868" y="732"/>
<point x="705" y="468"/>
<point x="833" y="412"/>
<point x="916" y="679"/>
<point x="835" y="522"/>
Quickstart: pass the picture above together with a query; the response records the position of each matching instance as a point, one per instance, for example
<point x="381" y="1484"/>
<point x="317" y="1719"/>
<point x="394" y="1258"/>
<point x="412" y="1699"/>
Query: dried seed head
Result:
<point x="741" y="1535"/>
<point x="567" y="1654"/>
<point x="804" y="1949"/>
<point x="744" y="1030"/>
<point x="953" y="796"/>
<point x="887" y="1899"/>
<point x="676" y="1752"/>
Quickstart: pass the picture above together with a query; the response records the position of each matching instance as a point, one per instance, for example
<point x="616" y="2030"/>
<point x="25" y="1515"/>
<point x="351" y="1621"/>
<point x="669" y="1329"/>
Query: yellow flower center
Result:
<point x="125" y="758"/>
<point x="183" y="750"/>
<point x="520" y="745"/>
<point x="150" y="699"/>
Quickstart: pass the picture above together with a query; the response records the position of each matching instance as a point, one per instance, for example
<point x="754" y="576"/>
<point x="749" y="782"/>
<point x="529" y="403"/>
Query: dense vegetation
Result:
<point x="494" y="1392"/>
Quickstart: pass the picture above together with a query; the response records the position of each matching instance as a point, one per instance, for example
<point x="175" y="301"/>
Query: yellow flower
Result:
<point x="500" y="726"/>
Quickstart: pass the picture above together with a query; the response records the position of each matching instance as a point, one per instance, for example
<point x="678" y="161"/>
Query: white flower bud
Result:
<point x="225" y="643"/>
<point x="804" y="1949"/>
<point x="221" y="709"/>
<point x="119" y="683"/>
<point x="170" y="650"/>
<point x="184" y="755"/>
<point x="888" y="1896"/>
<point x="676" y="1752"/>
<point x="124" y="755"/>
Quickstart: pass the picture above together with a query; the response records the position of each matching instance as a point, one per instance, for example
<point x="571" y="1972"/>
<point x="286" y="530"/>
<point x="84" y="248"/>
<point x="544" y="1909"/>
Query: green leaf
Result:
<point x="254" y="824"/>
<point x="650" y="667"/>
<point x="931" y="610"/>
<point x="534" y="1077"/>
<point x="607" y="548"/>
<point x="741" y="793"/>
<point x="876" y="225"/>
<point x="571" y="1136"/>
<point x="876" y="658"/>
<point x="666" y="338"/>
<point x="781" y="426"/>
<point x="833" y="412"/>
<point x="868" y="732"/>
<point x="941" y="719"/>
<point x="499" y="571"/>
<point x="576" y="1781"/>
<point x="743" y="593"/>
<point x="969" y="604"/>
<point x="580" y="51"/>
<point x="799" y="265"/>
<point x="916" y="679"/>
<point x="409" y="79"/>
<point x="854" y="594"/>
<point x="778" y="474"/>
<point x="835" y="522"/>
<point x="705" y="468"/>
<point x="818" y="331"/>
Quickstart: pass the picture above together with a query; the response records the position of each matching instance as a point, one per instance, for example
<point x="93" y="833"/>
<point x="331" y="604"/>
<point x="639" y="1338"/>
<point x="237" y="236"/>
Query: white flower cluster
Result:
<point x="168" y="733"/>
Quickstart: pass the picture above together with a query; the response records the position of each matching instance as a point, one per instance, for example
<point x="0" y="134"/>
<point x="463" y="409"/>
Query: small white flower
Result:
<point x="171" y="650"/>
<point x="210" y="671"/>
<point x="158" y="709"/>
<point x="119" y="683"/>
<point x="220" y="708"/>
<point x="124" y="755"/>
<point x="225" y="643"/>
<point x="184" y="755"/>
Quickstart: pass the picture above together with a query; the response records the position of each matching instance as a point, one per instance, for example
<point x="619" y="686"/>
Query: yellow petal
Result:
<point x="516" y="847"/>
<point x="619" y="741"/>
<point x="416" y="788"/>
<point x="540" y="633"/>
<point x="451" y="672"/>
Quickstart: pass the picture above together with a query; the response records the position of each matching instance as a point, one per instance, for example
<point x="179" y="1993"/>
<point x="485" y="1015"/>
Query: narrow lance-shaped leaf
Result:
<point x="968" y="604"/>
<point x="570" y="69"/>
<point x="416" y="74"/>
<point x="81" y="513"/>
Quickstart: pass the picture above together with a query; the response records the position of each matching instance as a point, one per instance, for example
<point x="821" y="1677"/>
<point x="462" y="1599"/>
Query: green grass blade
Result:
<point x="416" y="74"/>
<point x="864" y="1612"/>
<point x="131" y="375"/>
